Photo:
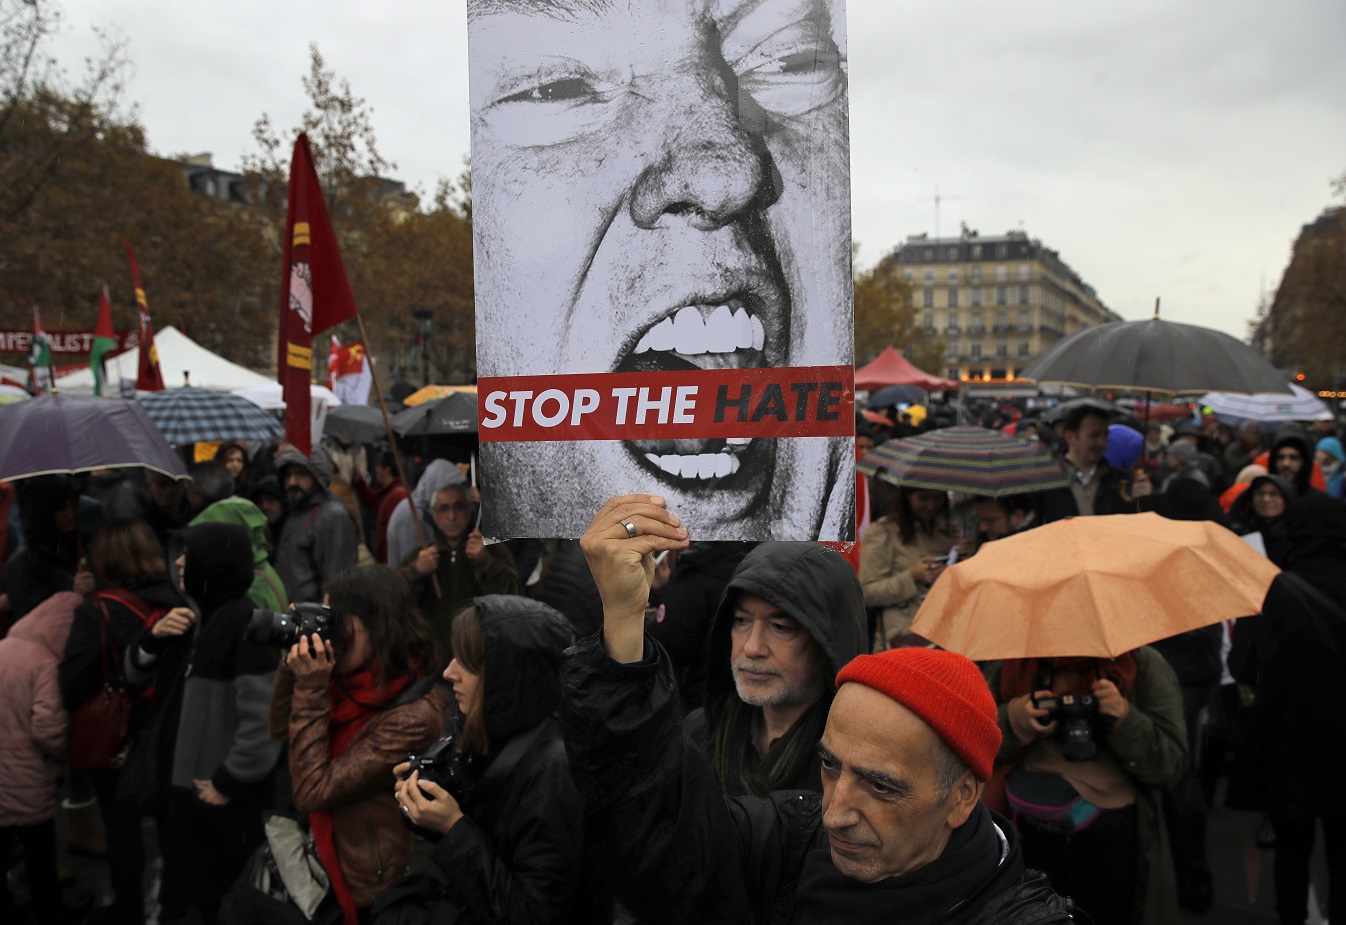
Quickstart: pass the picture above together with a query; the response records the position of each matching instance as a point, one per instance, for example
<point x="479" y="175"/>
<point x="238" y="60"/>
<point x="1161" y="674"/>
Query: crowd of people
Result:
<point x="300" y="656"/>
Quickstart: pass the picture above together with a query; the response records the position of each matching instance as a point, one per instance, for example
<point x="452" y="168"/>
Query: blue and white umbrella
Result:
<point x="192" y="415"/>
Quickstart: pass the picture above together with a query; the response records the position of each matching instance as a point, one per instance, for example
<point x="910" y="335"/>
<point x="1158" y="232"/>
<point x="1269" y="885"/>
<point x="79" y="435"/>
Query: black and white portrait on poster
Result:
<point x="661" y="221"/>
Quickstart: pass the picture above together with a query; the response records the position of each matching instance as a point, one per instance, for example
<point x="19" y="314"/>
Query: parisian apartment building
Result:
<point x="997" y="302"/>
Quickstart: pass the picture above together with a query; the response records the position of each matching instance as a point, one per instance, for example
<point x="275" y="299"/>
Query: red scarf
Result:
<point x="348" y="717"/>
<point x="1020" y="676"/>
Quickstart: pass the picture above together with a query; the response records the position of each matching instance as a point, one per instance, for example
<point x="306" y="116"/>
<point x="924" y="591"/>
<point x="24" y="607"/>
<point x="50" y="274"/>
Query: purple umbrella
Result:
<point x="55" y="434"/>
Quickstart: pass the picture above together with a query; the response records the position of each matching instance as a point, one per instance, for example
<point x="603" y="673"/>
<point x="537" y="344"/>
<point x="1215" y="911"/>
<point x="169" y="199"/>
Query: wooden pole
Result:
<point x="397" y="455"/>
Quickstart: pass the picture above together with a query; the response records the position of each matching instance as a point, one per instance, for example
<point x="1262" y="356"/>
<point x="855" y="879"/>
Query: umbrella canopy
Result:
<point x="974" y="460"/>
<point x="192" y="415"/>
<point x="356" y="423"/>
<point x="1155" y="356"/>
<point x="431" y="392"/>
<point x="896" y="395"/>
<point x="55" y="434"/>
<point x="1093" y="586"/>
<point x="891" y="368"/>
<point x="453" y="414"/>
<point x="1300" y="405"/>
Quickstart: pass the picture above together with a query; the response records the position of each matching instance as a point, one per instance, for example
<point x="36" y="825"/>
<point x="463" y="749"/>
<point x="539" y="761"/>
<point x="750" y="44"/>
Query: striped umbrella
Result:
<point x="973" y="460"/>
<point x="192" y="415"/>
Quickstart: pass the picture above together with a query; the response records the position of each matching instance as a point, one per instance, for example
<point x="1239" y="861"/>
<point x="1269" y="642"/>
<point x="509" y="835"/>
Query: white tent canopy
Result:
<point x="178" y="354"/>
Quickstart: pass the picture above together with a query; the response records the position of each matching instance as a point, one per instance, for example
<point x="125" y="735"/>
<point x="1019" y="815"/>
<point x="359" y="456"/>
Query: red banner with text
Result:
<point x="801" y="401"/>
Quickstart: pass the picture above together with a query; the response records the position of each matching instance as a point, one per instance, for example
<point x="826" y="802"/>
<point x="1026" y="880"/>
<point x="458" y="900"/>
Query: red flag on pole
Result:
<point x="148" y="378"/>
<point x="315" y="293"/>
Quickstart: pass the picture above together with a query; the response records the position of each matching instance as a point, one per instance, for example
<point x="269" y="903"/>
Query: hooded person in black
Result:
<point x="218" y="685"/>
<point x="1292" y="756"/>
<point x="792" y="615"/>
<point x="509" y="829"/>
<point x="1291" y="458"/>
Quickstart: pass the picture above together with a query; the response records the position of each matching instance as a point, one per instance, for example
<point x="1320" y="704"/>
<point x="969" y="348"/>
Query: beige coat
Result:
<point x="884" y="575"/>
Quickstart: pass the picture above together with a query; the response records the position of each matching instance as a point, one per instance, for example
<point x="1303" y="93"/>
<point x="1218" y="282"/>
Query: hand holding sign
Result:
<point x="619" y="547"/>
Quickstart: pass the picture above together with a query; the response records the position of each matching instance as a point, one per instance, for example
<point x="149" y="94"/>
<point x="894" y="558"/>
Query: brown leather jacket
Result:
<point x="356" y="787"/>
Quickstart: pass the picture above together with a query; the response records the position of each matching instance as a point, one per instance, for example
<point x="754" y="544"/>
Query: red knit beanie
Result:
<point x="942" y="688"/>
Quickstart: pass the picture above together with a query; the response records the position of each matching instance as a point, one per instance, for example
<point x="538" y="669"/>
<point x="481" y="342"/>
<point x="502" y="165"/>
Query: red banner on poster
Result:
<point x="61" y="342"/>
<point x="800" y="401"/>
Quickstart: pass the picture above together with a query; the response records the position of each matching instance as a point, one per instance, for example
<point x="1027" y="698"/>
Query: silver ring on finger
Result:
<point x="631" y="530"/>
<point x="405" y="810"/>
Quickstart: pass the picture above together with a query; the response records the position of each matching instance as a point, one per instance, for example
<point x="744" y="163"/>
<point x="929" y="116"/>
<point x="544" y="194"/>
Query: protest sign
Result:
<point x="662" y="246"/>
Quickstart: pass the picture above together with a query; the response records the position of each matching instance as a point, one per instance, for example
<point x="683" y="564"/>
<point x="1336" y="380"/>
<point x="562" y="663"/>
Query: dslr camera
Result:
<point x="447" y="766"/>
<point x="268" y="628"/>
<point x="1077" y="719"/>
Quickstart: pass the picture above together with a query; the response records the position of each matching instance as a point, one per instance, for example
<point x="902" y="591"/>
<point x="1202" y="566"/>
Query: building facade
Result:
<point x="998" y="302"/>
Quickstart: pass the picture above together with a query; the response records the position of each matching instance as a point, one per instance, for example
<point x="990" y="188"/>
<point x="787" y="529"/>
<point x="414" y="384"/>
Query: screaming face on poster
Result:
<point x="662" y="187"/>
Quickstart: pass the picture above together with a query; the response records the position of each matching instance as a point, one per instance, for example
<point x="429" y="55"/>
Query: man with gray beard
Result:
<point x="791" y="617"/>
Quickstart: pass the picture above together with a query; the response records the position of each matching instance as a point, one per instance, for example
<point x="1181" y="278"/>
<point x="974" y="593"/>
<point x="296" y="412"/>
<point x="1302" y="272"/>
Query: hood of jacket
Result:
<point x="316" y="464"/>
<point x="524" y="641"/>
<point x="809" y="582"/>
<point x="441" y="473"/>
<point x="243" y="513"/>
<point x="1294" y="437"/>
<point x="1332" y="447"/>
<point x="219" y="564"/>
<point x="48" y="624"/>
<point x="1315" y="535"/>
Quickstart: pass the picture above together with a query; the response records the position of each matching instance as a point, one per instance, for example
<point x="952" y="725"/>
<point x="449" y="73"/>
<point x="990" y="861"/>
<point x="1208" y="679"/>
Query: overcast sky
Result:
<point x="1164" y="148"/>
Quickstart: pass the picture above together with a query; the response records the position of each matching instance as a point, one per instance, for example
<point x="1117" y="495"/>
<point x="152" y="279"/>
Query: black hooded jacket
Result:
<point x="215" y="681"/>
<point x="516" y="856"/>
<point x="818" y="589"/>
<point x="1292" y="756"/>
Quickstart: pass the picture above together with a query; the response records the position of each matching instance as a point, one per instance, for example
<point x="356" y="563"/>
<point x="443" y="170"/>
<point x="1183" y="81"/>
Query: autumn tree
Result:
<point x="886" y="315"/>
<point x="1304" y="329"/>
<point x="77" y="179"/>
<point x="33" y="87"/>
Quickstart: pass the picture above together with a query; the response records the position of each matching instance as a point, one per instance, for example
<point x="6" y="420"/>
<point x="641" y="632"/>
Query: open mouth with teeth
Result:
<point x="721" y="335"/>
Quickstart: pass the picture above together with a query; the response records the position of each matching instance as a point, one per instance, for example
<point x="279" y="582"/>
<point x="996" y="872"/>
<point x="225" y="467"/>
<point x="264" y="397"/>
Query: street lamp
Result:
<point x="423" y="315"/>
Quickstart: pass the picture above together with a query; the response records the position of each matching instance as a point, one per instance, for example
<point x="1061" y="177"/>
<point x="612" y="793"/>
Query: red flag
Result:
<point x="315" y="293"/>
<point x="148" y="378"/>
<point x="347" y="361"/>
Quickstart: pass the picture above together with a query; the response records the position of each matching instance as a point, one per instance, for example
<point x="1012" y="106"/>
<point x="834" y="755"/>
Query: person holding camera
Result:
<point x="1089" y="745"/>
<point x="354" y="697"/>
<point x="497" y="797"/>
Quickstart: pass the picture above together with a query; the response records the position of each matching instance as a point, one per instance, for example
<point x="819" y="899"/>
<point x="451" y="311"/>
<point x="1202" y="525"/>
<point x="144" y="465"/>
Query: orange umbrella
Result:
<point x="1093" y="586"/>
<point x="431" y="392"/>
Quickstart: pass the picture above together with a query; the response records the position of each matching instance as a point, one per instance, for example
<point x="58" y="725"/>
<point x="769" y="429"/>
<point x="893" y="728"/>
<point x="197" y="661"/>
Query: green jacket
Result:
<point x="1150" y="746"/>
<point x="267" y="591"/>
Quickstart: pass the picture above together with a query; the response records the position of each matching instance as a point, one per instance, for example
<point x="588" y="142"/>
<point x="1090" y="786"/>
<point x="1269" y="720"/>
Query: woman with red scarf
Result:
<point x="1089" y="745"/>
<point x="351" y="709"/>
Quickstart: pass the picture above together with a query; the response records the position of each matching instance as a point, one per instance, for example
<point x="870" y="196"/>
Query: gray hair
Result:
<point x="949" y="769"/>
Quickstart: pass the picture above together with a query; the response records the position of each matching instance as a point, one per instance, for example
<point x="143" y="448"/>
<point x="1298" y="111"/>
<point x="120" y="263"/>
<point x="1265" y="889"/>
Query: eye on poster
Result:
<point x="661" y="222"/>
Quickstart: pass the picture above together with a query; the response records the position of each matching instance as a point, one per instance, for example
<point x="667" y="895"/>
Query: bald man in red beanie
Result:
<point x="898" y="834"/>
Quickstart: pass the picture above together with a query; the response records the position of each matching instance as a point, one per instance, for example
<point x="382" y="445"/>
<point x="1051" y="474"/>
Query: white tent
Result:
<point x="178" y="354"/>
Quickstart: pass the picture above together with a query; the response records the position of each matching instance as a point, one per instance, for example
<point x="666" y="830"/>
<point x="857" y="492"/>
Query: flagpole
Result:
<point x="397" y="454"/>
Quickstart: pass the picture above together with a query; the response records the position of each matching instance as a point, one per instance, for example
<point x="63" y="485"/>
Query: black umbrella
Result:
<point x="1156" y="356"/>
<point x="895" y="395"/>
<point x="450" y="415"/>
<point x="356" y="423"/>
